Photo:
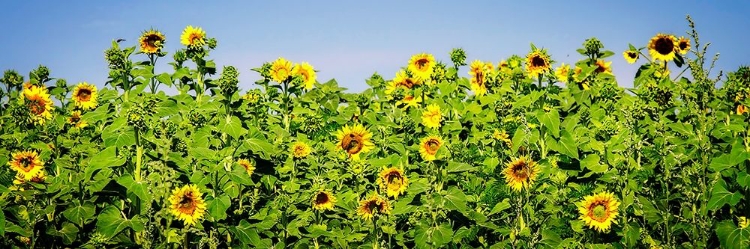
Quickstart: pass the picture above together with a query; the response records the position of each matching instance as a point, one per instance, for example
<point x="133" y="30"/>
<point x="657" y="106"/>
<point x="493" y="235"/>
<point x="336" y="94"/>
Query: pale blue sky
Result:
<point x="349" y="40"/>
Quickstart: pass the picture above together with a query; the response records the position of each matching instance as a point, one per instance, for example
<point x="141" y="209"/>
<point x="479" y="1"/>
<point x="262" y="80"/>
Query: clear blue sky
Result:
<point x="349" y="40"/>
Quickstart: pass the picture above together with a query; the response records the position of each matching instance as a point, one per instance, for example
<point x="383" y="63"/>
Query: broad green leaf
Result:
<point x="106" y="158"/>
<point x="68" y="233"/>
<point x="743" y="179"/>
<point x="140" y="189"/>
<point x="720" y="196"/>
<point x="120" y="138"/>
<point x="218" y="207"/>
<point x="550" y="239"/>
<point x="731" y="236"/>
<point x="455" y="199"/>
<point x="649" y="211"/>
<point x="736" y="156"/>
<point x="518" y="138"/>
<point x="232" y="126"/>
<point x="79" y="214"/>
<point x="592" y="162"/>
<point x="454" y="167"/>
<point x="568" y="145"/>
<point x="551" y="120"/>
<point x="2" y="223"/>
<point x="500" y="206"/>
<point x="110" y="222"/>
<point x="442" y="235"/>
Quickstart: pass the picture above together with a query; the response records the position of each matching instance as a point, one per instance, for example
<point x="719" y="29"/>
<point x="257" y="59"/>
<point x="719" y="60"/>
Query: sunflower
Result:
<point x="409" y="101"/>
<point x="75" y="120"/>
<point x="368" y="208"/>
<point x="306" y="71"/>
<point x="630" y="56"/>
<point x="300" y="150"/>
<point x="85" y="96"/>
<point x="422" y="65"/>
<point x="502" y="136"/>
<point x="152" y="42"/>
<point x="537" y="62"/>
<point x="683" y="44"/>
<point x="281" y="69"/>
<point x="478" y="77"/>
<point x="599" y="210"/>
<point x="393" y="181"/>
<point x="26" y="163"/>
<point x="562" y="73"/>
<point x="741" y="109"/>
<point x="603" y="67"/>
<point x="521" y="173"/>
<point x="354" y="140"/>
<point x="38" y="178"/>
<point x="187" y="204"/>
<point x="39" y="103"/>
<point x="742" y="222"/>
<point x="431" y="116"/>
<point x="662" y="47"/>
<point x="402" y="80"/>
<point x="247" y="165"/>
<point x="193" y="37"/>
<point x="323" y="200"/>
<point x="576" y="74"/>
<point x="429" y="147"/>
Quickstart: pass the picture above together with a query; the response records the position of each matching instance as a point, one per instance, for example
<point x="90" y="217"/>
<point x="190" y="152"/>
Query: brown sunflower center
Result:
<point x="432" y="146"/>
<point x="632" y="55"/>
<point x="153" y="40"/>
<point x="75" y="118"/>
<point x="520" y="169"/>
<point x="187" y="204"/>
<point x="321" y="198"/>
<point x="352" y="143"/>
<point x="246" y="165"/>
<point x="394" y="178"/>
<point x="84" y="95"/>
<point x="26" y="163"/>
<point x="598" y="211"/>
<point x="422" y="63"/>
<point x="683" y="45"/>
<point x="37" y="106"/>
<point x="538" y="61"/>
<point x="664" y="45"/>
<point x="479" y="77"/>
<point x="601" y="67"/>
<point x="195" y="38"/>
<point x="299" y="150"/>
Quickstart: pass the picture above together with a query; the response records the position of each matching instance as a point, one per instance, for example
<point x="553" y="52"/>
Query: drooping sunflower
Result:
<point x="478" y="81"/>
<point x="75" y="120"/>
<point x="630" y="56"/>
<point x="85" y="96"/>
<point x="603" y="67"/>
<point x="683" y="44"/>
<point x="300" y="150"/>
<point x="429" y="146"/>
<point x="393" y="181"/>
<point x="599" y="211"/>
<point x="151" y="41"/>
<point x="354" y="140"/>
<point x="39" y="103"/>
<point x="431" y="116"/>
<point x="537" y="62"/>
<point x="409" y="101"/>
<point x="26" y="163"/>
<point x="306" y="71"/>
<point x="323" y="200"/>
<point x="375" y="205"/>
<point x="663" y="47"/>
<point x="187" y="204"/>
<point x="421" y="65"/>
<point x="281" y="69"/>
<point x="247" y="165"/>
<point x="562" y="73"/>
<point x="521" y="173"/>
<point x="193" y="37"/>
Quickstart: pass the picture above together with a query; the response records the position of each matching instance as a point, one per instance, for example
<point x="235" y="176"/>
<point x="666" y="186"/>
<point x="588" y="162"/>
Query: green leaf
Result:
<point x="731" y="236"/>
<point x="106" y="158"/>
<point x="550" y="239"/>
<point x="743" y="179"/>
<point x="248" y="235"/>
<point x="568" y="145"/>
<point x="218" y="207"/>
<point x="592" y="162"/>
<point x="442" y="235"/>
<point x="500" y="206"/>
<point x="80" y="214"/>
<point x="649" y="211"/>
<point x="632" y="234"/>
<point x="140" y="189"/>
<point x="2" y="223"/>
<point x="119" y="138"/>
<point x="455" y="199"/>
<point x="725" y="161"/>
<point x="110" y="222"/>
<point x="68" y="233"/>
<point x="551" y="120"/>
<point x="165" y="79"/>
<point x="454" y="167"/>
<point x="720" y="196"/>
<point x="517" y="141"/>
<point x="232" y="126"/>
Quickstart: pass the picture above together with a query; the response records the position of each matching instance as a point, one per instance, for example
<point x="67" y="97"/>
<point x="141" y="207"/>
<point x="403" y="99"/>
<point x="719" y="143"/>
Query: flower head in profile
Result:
<point x="478" y="81"/>
<point x="630" y="56"/>
<point x="401" y="81"/>
<point x="563" y="73"/>
<point x="187" y="204"/>
<point x="599" y="211"/>
<point x="76" y="121"/>
<point x="307" y="73"/>
<point x="281" y="70"/>
<point x="409" y="101"/>
<point x="151" y="41"/>
<point x="603" y="67"/>
<point x="247" y="165"/>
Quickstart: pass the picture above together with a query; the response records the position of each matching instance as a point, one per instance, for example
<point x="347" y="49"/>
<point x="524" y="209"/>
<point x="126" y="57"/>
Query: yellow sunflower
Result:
<point x="429" y="147"/>
<point x="478" y="81"/>
<point x="431" y="116"/>
<point x="151" y="42"/>
<point x="599" y="211"/>
<point x="393" y="181"/>
<point x="193" y="37"/>
<point x="85" y="96"/>
<point x="741" y="109"/>
<point x="300" y="149"/>
<point x="742" y="222"/>
<point x="75" y="120"/>
<point x="663" y="47"/>
<point x="323" y="200"/>
<point x="39" y="103"/>
<point x="502" y="136"/>
<point x="247" y="165"/>
<point x="577" y="73"/>
<point x="603" y="67"/>
<point x="683" y="44"/>
<point x="402" y="80"/>
<point x="354" y="140"/>
<point x="38" y="178"/>
<point x="537" y="62"/>
<point x="421" y="65"/>
<point x="630" y="56"/>
<point x="26" y="163"/>
<point x="281" y="69"/>
<point x="187" y="204"/>
<point x="409" y="101"/>
<point x="375" y="205"/>
<point x="306" y="71"/>
<point x="562" y="73"/>
<point x="521" y="173"/>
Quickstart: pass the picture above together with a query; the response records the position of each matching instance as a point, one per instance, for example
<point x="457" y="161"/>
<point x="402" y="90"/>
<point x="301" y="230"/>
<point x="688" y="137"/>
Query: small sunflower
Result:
<point x="375" y="205"/>
<point x="603" y="67"/>
<point x="38" y="178"/>
<point x="422" y="65"/>
<point x="683" y="44"/>
<point x="393" y="181"/>
<point x="429" y="147"/>
<point x="187" y="204"/>
<point x="630" y="56"/>
<point x="26" y="163"/>
<point x="402" y="80"/>
<point x="39" y="103"/>
<point x="576" y="74"/>
<point x="409" y="101"/>
<point x="521" y="173"/>
<point x="431" y="116"/>
<point x="478" y="81"/>
<point x="193" y="37"/>
<point x="562" y="73"/>
<point x="75" y="120"/>
<point x="741" y="109"/>
<point x="281" y="69"/>
<point x="354" y="140"/>
<point x="300" y="150"/>
<point x="502" y="136"/>
<point x="537" y="62"/>
<point x="323" y="200"/>
<point x="742" y="222"/>
<point x="599" y="211"/>
<point x="247" y="165"/>
<point x="663" y="47"/>
<point x="306" y="71"/>
<point x="85" y="96"/>
<point x="151" y="42"/>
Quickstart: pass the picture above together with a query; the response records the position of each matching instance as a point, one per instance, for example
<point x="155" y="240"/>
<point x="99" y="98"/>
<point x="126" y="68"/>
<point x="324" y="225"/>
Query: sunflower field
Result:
<point x="526" y="152"/>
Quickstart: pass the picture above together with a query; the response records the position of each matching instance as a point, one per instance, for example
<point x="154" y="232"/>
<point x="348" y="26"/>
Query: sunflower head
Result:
<point x="151" y="41"/>
<point x="323" y="200"/>
<point x="281" y="70"/>
<point x="85" y="96"/>
<point x="409" y="101"/>
<point x="38" y="178"/>
<point x="431" y="116"/>
<point x="354" y="140"/>
<point x="38" y="101"/>
<point x="563" y="73"/>
<point x="742" y="222"/>
<point x="300" y="150"/>
<point x="247" y="165"/>
<point x="187" y="204"/>
<point x="193" y="37"/>
<point x="537" y="63"/>
<point x="663" y="47"/>
<point x="421" y="65"/>
<point x="375" y="205"/>
<point x="521" y="173"/>
<point x="598" y="211"/>
<point x="502" y="136"/>
<point x="630" y="56"/>
<point x="741" y="109"/>
<point x="75" y="120"/>
<point x="393" y="181"/>
<point x="429" y="147"/>
<point x="683" y="45"/>
<point x="603" y="67"/>
<point x="26" y="163"/>
<point x="478" y="81"/>
<point x="306" y="73"/>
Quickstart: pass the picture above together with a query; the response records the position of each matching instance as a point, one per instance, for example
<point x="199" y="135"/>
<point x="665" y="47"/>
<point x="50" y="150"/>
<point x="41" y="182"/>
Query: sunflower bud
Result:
<point x="197" y="119"/>
<point x="592" y="46"/>
<point x="61" y="83"/>
<point x="252" y="96"/>
<point x="164" y="129"/>
<point x="136" y="118"/>
<point x="180" y="56"/>
<point x="458" y="57"/>
<point x="228" y="80"/>
<point x="12" y="78"/>
<point x="41" y="73"/>
<point x="179" y="145"/>
<point x="115" y="58"/>
<point x="212" y="43"/>
<point x="439" y="72"/>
